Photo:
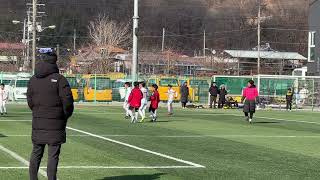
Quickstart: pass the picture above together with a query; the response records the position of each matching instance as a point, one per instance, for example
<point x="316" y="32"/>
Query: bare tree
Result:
<point x="107" y="34"/>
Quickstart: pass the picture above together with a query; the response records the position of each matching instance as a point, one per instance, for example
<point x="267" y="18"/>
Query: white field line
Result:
<point x="20" y="159"/>
<point x="109" y="167"/>
<point x="138" y="148"/>
<point x="191" y="136"/>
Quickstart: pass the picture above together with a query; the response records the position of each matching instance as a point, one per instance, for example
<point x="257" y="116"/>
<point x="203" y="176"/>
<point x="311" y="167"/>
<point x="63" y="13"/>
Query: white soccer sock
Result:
<point x="136" y="115"/>
<point x="131" y="114"/>
<point x="141" y="113"/>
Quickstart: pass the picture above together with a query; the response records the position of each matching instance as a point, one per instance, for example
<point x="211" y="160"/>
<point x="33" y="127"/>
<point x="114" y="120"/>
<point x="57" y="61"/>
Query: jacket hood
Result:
<point x="44" y="69"/>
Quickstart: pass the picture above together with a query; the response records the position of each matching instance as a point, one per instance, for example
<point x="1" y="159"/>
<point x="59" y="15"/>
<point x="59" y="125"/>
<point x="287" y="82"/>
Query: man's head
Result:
<point x="50" y="58"/>
<point x="46" y="64"/>
<point x="213" y="84"/>
<point x="185" y="84"/>
<point x="289" y="89"/>
<point x="2" y="86"/>
<point x="170" y="86"/>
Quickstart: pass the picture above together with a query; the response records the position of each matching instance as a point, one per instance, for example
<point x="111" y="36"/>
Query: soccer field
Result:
<point x="192" y="144"/>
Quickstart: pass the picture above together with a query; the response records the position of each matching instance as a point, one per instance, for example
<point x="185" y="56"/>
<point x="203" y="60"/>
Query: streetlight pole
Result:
<point x="259" y="36"/>
<point x="34" y="33"/>
<point x="134" y="69"/>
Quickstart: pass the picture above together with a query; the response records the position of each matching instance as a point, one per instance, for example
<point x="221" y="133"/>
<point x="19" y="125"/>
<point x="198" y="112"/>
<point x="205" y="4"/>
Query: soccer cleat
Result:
<point x="126" y="117"/>
<point x="250" y="121"/>
<point x="142" y="119"/>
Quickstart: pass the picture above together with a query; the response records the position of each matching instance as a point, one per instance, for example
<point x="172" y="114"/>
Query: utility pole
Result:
<point x="259" y="36"/>
<point x="163" y="36"/>
<point x="134" y="71"/>
<point x="34" y="33"/>
<point x="58" y="52"/>
<point x="24" y="39"/>
<point x="204" y="43"/>
<point x="74" y="41"/>
<point x="26" y="62"/>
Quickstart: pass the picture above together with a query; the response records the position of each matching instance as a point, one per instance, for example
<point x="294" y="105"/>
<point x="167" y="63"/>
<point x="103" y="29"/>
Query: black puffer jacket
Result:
<point x="50" y="99"/>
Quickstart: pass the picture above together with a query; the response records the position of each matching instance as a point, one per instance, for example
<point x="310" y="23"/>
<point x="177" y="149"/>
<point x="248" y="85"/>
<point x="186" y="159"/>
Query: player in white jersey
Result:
<point x="172" y="95"/>
<point x="3" y="99"/>
<point x="128" y="89"/>
<point x="144" y="101"/>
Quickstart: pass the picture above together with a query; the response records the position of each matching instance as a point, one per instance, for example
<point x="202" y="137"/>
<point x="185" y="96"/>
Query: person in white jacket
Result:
<point x="128" y="89"/>
<point x="172" y="95"/>
<point x="144" y="101"/>
<point x="3" y="99"/>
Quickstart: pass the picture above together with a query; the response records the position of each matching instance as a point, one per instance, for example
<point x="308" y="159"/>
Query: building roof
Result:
<point x="265" y="55"/>
<point x="12" y="46"/>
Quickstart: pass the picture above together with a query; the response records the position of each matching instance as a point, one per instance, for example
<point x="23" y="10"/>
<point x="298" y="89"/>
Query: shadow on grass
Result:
<point x="135" y="177"/>
<point x="2" y="136"/>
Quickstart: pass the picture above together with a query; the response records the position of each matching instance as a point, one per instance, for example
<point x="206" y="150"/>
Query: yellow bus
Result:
<point x="97" y="88"/>
<point x="163" y="83"/>
<point x="74" y="83"/>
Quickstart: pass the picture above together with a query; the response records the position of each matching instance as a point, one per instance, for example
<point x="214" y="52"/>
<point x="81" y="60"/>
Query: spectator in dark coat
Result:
<point x="50" y="99"/>
<point x="222" y="96"/>
<point x="214" y="91"/>
<point x="289" y="98"/>
<point x="184" y="95"/>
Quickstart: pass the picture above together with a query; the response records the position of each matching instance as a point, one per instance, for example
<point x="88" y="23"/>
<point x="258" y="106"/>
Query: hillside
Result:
<point x="229" y="23"/>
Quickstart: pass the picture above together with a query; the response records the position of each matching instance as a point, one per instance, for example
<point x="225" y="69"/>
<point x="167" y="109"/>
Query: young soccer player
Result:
<point x="155" y="99"/>
<point x="3" y="99"/>
<point x="172" y="95"/>
<point x="135" y="102"/>
<point x="144" y="101"/>
<point x="250" y="97"/>
<point x="127" y="87"/>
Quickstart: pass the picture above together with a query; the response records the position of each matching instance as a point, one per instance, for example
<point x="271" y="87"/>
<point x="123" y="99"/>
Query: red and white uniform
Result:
<point x="135" y="98"/>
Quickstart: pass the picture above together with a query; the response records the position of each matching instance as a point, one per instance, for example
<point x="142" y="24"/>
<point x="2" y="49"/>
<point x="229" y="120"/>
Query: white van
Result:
<point x="19" y="86"/>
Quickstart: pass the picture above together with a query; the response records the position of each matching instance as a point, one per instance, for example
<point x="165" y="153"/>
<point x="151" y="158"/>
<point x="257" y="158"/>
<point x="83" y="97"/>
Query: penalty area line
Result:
<point x="20" y="159"/>
<point x="138" y="148"/>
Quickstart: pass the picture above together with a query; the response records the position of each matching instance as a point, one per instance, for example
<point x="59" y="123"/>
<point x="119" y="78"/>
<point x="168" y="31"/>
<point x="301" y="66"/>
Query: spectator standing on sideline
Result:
<point x="250" y="96"/>
<point x="289" y="98"/>
<point x="222" y="96"/>
<point x="50" y="99"/>
<point x="184" y="95"/>
<point x="214" y="92"/>
<point x="4" y="95"/>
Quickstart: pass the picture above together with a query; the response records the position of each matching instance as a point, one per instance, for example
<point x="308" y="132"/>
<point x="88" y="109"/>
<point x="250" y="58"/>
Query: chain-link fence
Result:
<point x="273" y="89"/>
<point x="110" y="87"/>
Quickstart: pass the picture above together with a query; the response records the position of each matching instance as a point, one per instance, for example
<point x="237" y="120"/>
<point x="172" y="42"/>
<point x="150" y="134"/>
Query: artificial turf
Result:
<point x="279" y="145"/>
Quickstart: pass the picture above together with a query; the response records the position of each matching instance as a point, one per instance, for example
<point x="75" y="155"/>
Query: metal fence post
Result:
<point x="313" y="94"/>
<point x="95" y="88"/>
